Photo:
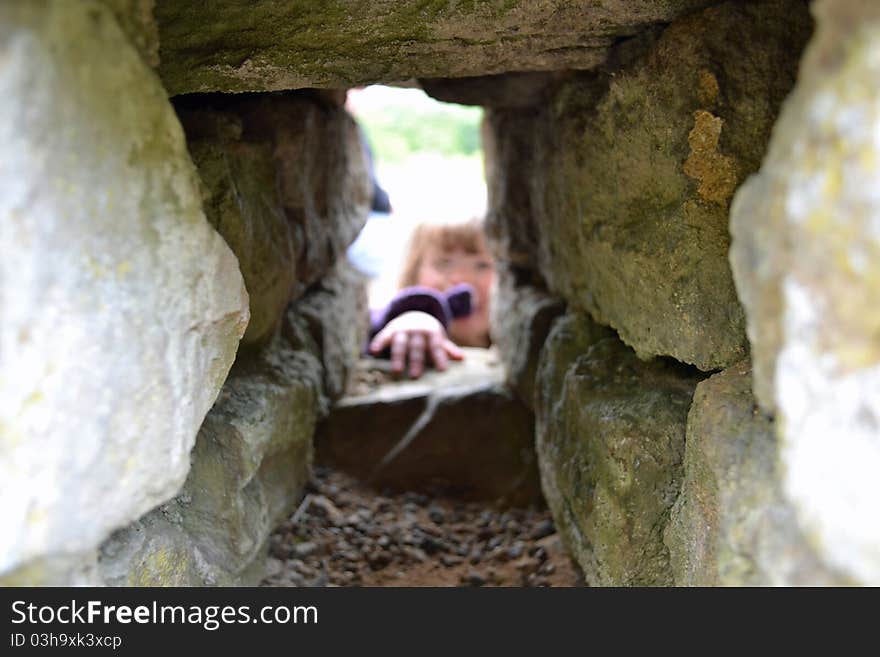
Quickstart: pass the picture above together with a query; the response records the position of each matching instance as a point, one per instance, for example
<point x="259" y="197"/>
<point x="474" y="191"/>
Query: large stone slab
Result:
<point x="253" y="453"/>
<point x="286" y="185"/>
<point x="522" y="315"/>
<point x="731" y="524"/>
<point x="274" y="44"/>
<point x="610" y="439"/>
<point x="122" y="307"/>
<point x="633" y="171"/>
<point x="461" y="431"/>
<point x="806" y="258"/>
<point x="135" y="17"/>
<point x="331" y="323"/>
<point x="507" y="90"/>
<point x="510" y="149"/>
<point x="249" y="465"/>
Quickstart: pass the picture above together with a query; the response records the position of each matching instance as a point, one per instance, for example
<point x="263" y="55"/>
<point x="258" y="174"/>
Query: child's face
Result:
<point x="441" y="269"/>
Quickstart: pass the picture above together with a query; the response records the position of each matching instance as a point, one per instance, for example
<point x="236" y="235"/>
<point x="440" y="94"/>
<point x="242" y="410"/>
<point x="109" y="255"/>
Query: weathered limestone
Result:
<point x="253" y="453"/>
<point x="249" y="465"/>
<point x="522" y="315"/>
<point x="135" y="18"/>
<point x="122" y="308"/>
<point x="510" y="144"/>
<point x="610" y="438"/>
<point x="331" y="323"/>
<point x="286" y="185"/>
<point x="806" y="258"/>
<point x="240" y="46"/>
<point x="508" y="90"/>
<point x="731" y="524"/>
<point x="461" y="430"/>
<point x="630" y="175"/>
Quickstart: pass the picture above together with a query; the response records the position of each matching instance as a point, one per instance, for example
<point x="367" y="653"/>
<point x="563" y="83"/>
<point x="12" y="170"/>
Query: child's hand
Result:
<point x="409" y="335"/>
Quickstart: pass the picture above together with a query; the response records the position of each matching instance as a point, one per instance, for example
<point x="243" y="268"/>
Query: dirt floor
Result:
<point x="346" y="534"/>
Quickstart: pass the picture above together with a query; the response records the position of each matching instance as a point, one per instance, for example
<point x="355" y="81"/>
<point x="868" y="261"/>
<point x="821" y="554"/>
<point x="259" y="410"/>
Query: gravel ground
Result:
<point x="345" y="534"/>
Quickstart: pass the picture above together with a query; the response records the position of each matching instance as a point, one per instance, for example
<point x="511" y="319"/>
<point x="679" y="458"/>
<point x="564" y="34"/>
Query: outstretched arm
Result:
<point x="415" y="337"/>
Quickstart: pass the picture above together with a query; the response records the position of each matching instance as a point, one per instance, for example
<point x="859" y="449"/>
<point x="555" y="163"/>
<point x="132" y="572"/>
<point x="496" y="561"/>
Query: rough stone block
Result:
<point x="806" y="259"/>
<point x="731" y="524"/>
<point x="122" y="307"/>
<point x="461" y="431"/>
<point x="610" y="440"/>
<point x="521" y="319"/>
<point x="135" y="17"/>
<point x="249" y="465"/>
<point x="275" y="44"/>
<point x="331" y="322"/>
<point x="633" y="171"/>
<point x="286" y="185"/>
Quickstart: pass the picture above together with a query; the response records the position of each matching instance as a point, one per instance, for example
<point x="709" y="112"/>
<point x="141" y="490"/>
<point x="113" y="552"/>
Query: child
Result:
<point x="446" y="279"/>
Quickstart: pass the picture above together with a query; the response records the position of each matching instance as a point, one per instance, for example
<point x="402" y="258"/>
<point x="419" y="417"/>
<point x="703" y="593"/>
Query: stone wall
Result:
<point x="611" y="190"/>
<point x="252" y="456"/>
<point x="616" y="188"/>
<point x="177" y="320"/>
<point x="240" y="46"/>
<point x="732" y="525"/>
<point x="284" y="181"/>
<point x="806" y="260"/>
<point x="611" y="440"/>
<point x="122" y="307"/>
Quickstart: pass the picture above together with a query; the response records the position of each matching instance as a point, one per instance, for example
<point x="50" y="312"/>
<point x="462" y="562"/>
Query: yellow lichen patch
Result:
<point x="715" y="172"/>
<point x="37" y="516"/>
<point x="707" y="88"/>
<point x="33" y="573"/>
<point x="10" y="436"/>
<point x="32" y="399"/>
<point x="95" y="267"/>
<point x="164" y="567"/>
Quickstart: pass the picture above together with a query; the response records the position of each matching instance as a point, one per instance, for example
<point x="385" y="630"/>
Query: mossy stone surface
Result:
<point x="253" y="453"/>
<point x="806" y="260"/>
<point x="610" y="440"/>
<point x="731" y="524"/>
<point x="275" y="44"/>
<point x="635" y="171"/>
<point x="214" y="532"/>
<point x="284" y="181"/>
<point x="122" y="307"/>
<point x="136" y="19"/>
<point x="522" y="315"/>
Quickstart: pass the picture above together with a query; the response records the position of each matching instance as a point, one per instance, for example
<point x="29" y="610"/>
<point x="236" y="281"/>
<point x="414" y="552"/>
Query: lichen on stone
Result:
<point x="715" y="172"/>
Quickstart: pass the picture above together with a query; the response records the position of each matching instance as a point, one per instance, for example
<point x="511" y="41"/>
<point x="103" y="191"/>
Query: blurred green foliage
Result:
<point x="398" y="131"/>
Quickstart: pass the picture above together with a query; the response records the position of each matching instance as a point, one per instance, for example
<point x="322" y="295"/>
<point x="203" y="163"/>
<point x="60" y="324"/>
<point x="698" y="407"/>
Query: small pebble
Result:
<point x="544" y="528"/>
<point x="473" y="578"/>
<point x="302" y="550"/>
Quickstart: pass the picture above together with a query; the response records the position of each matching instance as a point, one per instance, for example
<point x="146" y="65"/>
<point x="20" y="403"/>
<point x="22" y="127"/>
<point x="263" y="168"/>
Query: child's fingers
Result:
<point x="438" y="355"/>
<point x="455" y="353"/>
<point x="416" y="355"/>
<point x="381" y="340"/>
<point x="398" y="351"/>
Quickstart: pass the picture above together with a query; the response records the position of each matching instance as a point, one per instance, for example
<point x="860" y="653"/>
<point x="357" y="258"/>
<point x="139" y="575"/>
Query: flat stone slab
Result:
<point x="460" y="431"/>
<point x="275" y="44"/>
